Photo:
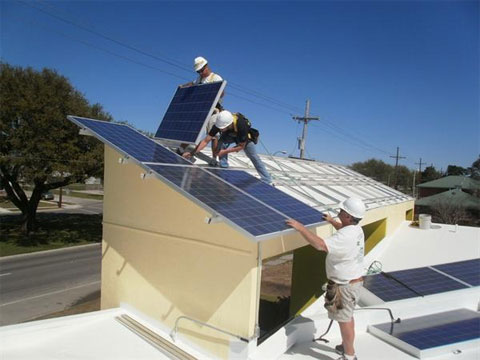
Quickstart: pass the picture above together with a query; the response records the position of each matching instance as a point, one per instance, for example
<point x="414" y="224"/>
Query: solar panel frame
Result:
<point x="174" y="129"/>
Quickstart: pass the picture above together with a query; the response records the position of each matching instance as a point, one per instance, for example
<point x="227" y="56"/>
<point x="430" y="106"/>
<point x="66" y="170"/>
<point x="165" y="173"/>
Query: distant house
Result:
<point x="466" y="184"/>
<point x="452" y="199"/>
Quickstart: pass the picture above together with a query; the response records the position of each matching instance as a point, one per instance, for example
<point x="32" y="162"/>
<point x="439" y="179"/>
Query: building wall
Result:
<point x="160" y="257"/>
<point x="424" y="192"/>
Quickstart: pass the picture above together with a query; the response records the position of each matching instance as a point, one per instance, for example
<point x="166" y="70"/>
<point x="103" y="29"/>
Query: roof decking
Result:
<point x="319" y="184"/>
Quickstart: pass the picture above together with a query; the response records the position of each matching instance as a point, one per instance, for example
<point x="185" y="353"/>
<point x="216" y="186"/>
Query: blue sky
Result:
<point x="379" y="74"/>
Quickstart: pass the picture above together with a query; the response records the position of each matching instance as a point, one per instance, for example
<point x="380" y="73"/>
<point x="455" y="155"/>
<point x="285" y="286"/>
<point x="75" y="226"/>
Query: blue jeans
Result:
<point x="251" y="152"/>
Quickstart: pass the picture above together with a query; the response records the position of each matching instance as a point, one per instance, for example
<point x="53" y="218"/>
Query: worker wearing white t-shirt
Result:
<point x="344" y="267"/>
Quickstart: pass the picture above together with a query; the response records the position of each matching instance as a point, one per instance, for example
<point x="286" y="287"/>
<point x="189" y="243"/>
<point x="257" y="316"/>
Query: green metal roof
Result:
<point x="452" y="182"/>
<point x="455" y="196"/>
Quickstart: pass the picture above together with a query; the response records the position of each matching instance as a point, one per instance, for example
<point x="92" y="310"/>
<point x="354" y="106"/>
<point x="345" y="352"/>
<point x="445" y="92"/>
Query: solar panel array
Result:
<point x="269" y="195"/>
<point x="418" y="335"/>
<point x="248" y="213"/>
<point x="188" y="111"/>
<point x="129" y="141"/>
<point x="252" y="206"/>
<point x="405" y="284"/>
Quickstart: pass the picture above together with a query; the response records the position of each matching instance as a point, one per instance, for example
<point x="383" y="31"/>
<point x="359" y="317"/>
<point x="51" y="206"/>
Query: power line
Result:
<point x="103" y="49"/>
<point x="345" y="138"/>
<point x="162" y="58"/>
<point x="356" y="138"/>
<point x="139" y="62"/>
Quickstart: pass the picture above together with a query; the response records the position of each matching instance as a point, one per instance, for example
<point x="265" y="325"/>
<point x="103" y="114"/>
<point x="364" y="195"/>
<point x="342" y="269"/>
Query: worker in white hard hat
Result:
<point x="344" y="267"/>
<point x="234" y="128"/>
<point x="205" y="74"/>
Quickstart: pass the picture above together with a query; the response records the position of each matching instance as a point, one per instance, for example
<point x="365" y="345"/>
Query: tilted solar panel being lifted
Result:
<point x="188" y="112"/>
<point x="251" y="206"/>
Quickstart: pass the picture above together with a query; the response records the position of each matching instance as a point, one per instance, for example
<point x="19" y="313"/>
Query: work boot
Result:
<point x="344" y="357"/>
<point x="339" y="349"/>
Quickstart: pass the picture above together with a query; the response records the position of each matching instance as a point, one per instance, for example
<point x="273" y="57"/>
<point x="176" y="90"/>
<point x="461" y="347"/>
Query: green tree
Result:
<point x="405" y="178"/>
<point x="430" y="173"/>
<point x="474" y="170"/>
<point x="38" y="145"/>
<point x="375" y="169"/>
<point x="455" y="170"/>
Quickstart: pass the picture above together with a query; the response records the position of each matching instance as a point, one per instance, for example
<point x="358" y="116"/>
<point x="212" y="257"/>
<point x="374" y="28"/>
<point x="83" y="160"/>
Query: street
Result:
<point x="37" y="284"/>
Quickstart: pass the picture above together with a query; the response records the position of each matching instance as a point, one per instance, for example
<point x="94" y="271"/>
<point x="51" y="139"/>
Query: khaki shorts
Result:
<point x="350" y="295"/>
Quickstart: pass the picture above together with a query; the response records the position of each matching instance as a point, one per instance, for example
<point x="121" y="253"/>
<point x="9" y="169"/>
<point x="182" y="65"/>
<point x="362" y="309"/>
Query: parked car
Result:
<point x="47" y="195"/>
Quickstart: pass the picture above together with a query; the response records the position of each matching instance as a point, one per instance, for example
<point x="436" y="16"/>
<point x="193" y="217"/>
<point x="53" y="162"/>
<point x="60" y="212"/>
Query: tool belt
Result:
<point x="333" y="297"/>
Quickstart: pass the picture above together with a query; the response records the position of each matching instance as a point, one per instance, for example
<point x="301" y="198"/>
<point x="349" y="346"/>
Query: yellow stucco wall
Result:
<point x="160" y="257"/>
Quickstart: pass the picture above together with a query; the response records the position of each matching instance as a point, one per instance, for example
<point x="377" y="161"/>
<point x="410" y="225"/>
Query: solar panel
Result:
<point x="387" y="289"/>
<point x="129" y="141"/>
<point x="467" y="271"/>
<point x="242" y="210"/>
<point x="188" y="111"/>
<point x="271" y="196"/>
<point x="427" y="281"/>
<point x="405" y="284"/>
<point x="433" y="334"/>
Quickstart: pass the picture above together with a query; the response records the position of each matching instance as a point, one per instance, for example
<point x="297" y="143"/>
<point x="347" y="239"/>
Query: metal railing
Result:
<point x="173" y="334"/>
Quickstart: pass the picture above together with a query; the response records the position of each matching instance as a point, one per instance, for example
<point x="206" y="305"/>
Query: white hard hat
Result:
<point x="353" y="206"/>
<point x="199" y="63"/>
<point x="224" y="119"/>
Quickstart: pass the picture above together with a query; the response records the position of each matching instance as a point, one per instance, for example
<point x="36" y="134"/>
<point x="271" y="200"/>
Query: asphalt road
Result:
<point x="75" y="205"/>
<point x="85" y="206"/>
<point x="38" y="284"/>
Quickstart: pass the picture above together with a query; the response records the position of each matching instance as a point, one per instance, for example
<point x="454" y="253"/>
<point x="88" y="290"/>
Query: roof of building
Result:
<point x="452" y="182"/>
<point x="454" y="196"/>
<point x="320" y="184"/>
<point x="67" y="337"/>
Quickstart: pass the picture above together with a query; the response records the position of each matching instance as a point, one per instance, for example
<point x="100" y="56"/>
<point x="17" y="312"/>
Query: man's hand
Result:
<point x="187" y="155"/>
<point x="327" y="217"/>
<point x="294" y="224"/>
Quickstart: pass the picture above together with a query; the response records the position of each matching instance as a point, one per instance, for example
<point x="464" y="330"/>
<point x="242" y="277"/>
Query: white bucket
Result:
<point x="424" y="221"/>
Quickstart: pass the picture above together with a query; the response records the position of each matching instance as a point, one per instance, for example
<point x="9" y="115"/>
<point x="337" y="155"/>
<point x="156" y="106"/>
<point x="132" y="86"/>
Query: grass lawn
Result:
<point x="54" y="231"/>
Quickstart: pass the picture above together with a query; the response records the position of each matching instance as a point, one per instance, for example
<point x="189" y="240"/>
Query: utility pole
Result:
<point x="396" y="166"/>
<point x="305" y="119"/>
<point x="420" y="163"/>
